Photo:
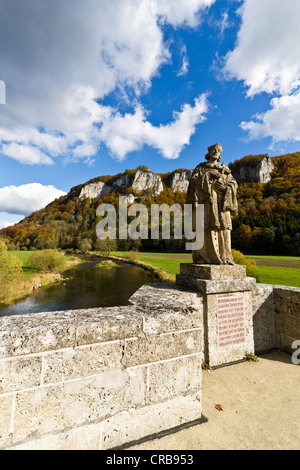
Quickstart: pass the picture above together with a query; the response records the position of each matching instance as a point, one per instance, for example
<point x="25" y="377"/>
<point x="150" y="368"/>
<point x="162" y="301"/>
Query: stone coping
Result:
<point x="212" y="271"/>
<point x="153" y="309"/>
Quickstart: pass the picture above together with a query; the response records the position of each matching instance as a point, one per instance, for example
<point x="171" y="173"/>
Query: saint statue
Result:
<point x="213" y="185"/>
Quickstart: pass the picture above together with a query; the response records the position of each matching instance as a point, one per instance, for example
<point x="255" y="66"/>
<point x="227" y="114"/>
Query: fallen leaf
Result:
<point x="219" y="407"/>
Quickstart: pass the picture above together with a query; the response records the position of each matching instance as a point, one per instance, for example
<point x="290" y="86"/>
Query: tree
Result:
<point x="85" y="246"/>
<point x="11" y="274"/>
<point x="105" y="246"/>
<point x="47" y="261"/>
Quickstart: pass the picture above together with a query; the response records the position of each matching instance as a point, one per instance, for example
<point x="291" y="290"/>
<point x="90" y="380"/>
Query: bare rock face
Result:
<point x="122" y="181"/>
<point x="147" y="180"/>
<point x="95" y="190"/>
<point x="260" y="173"/>
<point x="180" y="181"/>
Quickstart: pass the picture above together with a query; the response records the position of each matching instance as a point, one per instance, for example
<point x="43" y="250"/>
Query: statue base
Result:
<point x="227" y="307"/>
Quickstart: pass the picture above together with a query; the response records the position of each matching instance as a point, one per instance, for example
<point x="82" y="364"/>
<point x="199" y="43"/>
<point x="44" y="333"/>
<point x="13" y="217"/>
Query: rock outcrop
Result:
<point x="260" y="173"/>
<point x="95" y="190"/>
<point x="144" y="180"/>
<point x="180" y="181"/>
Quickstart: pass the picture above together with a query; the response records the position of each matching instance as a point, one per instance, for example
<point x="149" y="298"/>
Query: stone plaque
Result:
<point x="231" y="321"/>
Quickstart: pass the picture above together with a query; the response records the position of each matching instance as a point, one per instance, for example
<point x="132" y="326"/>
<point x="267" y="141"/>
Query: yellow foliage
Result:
<point x="11" y="274"/>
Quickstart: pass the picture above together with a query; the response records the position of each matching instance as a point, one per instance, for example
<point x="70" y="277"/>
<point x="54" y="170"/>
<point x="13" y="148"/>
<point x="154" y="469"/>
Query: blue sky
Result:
<point x="96" y="87"/>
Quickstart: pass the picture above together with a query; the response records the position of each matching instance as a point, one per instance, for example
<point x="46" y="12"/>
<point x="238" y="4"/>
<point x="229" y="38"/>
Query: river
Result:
<point x="85" y="286"/>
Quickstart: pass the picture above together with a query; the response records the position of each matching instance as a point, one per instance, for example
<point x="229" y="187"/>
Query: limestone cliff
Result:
<point x="95" y="190"/>
<point x="180" y="181"/>
<point x="145" y="180"/>
<point x="258" y="169"/>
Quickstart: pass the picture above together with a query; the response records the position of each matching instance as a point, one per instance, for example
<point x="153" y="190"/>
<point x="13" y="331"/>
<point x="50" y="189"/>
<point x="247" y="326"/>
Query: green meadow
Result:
<point x="280" y="270"/>
<point x="277" y="270"/>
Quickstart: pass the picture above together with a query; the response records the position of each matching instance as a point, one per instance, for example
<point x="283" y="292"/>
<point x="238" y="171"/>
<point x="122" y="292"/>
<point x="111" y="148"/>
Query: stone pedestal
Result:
<point x="228" y="310"/>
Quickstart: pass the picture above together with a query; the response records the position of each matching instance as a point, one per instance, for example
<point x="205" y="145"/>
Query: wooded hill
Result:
<point x="268" y="220"/>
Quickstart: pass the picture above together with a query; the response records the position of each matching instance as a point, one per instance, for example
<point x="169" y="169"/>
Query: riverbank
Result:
<point x="132" y="258"/>
<point x="33" y="279"/>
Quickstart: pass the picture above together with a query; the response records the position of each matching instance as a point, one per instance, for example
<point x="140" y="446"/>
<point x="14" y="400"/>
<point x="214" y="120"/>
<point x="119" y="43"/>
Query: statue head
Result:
<point x="214" y="152"/>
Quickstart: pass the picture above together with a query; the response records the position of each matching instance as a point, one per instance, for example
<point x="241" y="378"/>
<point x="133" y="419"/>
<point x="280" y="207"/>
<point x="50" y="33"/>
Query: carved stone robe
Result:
<point x="219" y="207"/>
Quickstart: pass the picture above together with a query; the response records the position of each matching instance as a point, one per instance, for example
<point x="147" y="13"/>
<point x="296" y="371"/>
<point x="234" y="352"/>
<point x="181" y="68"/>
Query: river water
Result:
<point x="85" y="286"/>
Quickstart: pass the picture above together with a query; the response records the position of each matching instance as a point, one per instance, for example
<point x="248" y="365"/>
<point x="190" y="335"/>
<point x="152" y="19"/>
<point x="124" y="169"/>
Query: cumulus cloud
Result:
<point x="123" y="134"/>
<point x="281" y="122"/>
<point x="266" y="55"/>
<point x="266" y="59"/>
<point x="61" y="59"/>
<point x="27" y="198"/>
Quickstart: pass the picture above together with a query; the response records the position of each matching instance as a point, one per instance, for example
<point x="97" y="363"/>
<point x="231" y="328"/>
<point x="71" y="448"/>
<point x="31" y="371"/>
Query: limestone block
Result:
<point x="5" y="419"/>
<point x="295" y="309"/>
<point x="263" y="318"/>
<point x="213" y="272"/>
<point x="133" y="425"/>
<point x="286" y="293"/>
<point x="36" y="332"/>
<point x="20" y="373"/>
<point x="81" y="362"/>
<point x="285" y="343"/>
<point x="107" y="324"/>
<point x="162" y="347"/>
<point x="173" y="378"/>
<point x="55" y="408"/>
<point x="80" y="438"/>
<point x="166" y="307"/>
<point x="215" y="286"/>
<point x="288" y="325"/>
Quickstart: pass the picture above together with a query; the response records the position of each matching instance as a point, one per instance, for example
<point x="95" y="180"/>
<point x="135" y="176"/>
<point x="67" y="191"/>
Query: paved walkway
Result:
<point x="261" y="402"/>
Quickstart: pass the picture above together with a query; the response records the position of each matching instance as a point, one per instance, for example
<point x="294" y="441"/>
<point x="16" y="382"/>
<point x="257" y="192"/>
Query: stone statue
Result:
<point x="213" y="185"/>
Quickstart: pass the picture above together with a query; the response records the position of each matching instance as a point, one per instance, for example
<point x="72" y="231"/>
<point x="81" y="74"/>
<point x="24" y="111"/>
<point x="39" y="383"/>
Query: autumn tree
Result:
<point x="11" y="274"/>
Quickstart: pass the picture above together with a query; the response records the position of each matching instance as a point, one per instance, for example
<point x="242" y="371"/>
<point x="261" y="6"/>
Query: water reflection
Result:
<point x="85" y="286"/>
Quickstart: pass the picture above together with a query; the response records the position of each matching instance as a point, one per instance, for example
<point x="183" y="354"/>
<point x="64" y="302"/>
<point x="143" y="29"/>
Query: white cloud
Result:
<point x="282" y="122"/>
<point x="266" y="59"/>
<point x="266" y="55"/>
<point x="185" y="62"/>
<point x="27" y="198"/>
<point x="26" y="154"/>
<point x="223" y="23"/>
<point x="124" y="134"/>
<point x="58" y="58"/>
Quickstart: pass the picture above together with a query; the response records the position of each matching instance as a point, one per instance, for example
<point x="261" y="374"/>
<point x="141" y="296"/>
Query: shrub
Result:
<point x="251" y="268"/>
<point x="47" y="260"/>
<point x="105" y="246"/>
<point x="85" y="246"/>
<point x="11" y="274"/>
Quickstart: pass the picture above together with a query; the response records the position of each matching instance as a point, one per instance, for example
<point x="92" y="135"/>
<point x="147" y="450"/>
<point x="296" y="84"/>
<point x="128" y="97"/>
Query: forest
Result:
<point x="268" y="221"/>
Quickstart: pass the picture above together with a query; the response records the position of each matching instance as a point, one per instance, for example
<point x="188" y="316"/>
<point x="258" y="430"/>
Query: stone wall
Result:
<point x="99" y="378"/>
<point x="287" y="317"/>
<point x="102" y="378"/>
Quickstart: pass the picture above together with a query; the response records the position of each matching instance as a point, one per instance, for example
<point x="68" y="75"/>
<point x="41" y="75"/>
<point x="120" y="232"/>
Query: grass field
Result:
<point x="277" y="270"/>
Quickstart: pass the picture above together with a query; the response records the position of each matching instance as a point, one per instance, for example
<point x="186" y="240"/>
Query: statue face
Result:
<point x="215" y="154"/>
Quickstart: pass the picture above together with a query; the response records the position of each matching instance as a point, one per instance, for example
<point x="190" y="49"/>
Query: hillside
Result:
<point x="268" y="220"/>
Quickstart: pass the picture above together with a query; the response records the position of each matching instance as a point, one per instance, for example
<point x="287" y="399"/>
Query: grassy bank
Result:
<point x="271" y="274"/>
<point x="33" y="278"/>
